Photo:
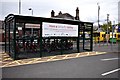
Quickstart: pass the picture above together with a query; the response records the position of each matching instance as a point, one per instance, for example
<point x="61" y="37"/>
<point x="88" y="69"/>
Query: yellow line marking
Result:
<point x="8" y="64"/>
<point x="103" y="52"/>
<point x="78" y="54"/>
<point x="7" y="59"/>
<point x="27" y="62"/>
<point x="100" y="52"/>
<point x="35" y="59"/>
<point x="17" y="62"/>
<point x="51" y="58"/>
<point x="65" y="57"/>
<point x="96" y="52"/>
<point x="88" y="53"/>
<point x="56" y="59"/>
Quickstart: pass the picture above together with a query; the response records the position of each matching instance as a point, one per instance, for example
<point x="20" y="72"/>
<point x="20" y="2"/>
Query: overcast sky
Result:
<point x="88" y="8"/>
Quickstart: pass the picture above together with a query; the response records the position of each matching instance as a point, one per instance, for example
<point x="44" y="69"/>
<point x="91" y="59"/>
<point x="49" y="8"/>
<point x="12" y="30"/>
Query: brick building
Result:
<point x="66" y="15"/>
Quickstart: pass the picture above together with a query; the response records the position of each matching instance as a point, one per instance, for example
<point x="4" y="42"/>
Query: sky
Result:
<point x="88" y="9"/>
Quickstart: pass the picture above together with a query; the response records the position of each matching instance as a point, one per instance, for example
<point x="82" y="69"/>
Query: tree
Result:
<point x="118" y="24"/>
<point x="104" y="26"/>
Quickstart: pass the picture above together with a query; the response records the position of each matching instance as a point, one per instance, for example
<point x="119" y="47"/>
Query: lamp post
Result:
<point x="31" y="10"/>
<point x="32" y="15"/>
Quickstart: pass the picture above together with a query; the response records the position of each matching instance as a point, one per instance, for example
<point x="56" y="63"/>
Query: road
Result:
<point x="99" y="66"/>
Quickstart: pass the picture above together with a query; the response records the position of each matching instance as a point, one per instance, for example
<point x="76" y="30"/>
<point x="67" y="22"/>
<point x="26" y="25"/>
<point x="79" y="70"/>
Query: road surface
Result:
<point x="99" y="66"/>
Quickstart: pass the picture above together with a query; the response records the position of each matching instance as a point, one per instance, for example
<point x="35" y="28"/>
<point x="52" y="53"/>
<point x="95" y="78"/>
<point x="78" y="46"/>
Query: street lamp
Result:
<point x="32" y="15"/>
<point x="31" y="10"/>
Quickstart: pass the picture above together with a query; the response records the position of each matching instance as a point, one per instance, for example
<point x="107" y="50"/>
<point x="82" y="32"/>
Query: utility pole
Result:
<point x="19" y="6"/>
<point x="107" y="36"/>
<point x="98" y="23"/>
<point x="98" y="14"/>
<point x="113" y="30"/>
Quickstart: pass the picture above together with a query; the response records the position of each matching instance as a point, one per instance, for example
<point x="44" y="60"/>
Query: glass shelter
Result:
<point x="29" y="36"/>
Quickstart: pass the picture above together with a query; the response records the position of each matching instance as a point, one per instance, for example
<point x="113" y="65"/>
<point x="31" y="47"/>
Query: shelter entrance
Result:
<point x="87" y="41"/>
<point x="30" y="37"/>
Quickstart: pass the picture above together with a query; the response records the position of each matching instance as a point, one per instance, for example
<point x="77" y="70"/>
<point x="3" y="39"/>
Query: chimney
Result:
<point x="77" y="14"/>
<point x="52" y="13"/>
<point x="60" y="13"/>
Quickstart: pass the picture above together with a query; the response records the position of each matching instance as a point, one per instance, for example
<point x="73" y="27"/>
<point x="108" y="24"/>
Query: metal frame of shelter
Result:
<point x="16" y="39"/>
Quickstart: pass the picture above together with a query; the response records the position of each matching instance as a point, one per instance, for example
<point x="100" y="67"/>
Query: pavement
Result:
<point x="101" y="48"/>
<point x="104" y="47"/>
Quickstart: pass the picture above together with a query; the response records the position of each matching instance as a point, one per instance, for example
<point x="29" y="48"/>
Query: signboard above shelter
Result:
<point x="59" y="30"/>
<point x="29" y="25"/>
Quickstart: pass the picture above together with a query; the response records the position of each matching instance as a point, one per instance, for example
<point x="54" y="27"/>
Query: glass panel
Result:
<point x="87" y="37"/>
<point x="69" y="46"/>
<point x="11" y="37"/>
<point x="58" y="46"/>
<point x="7" y="37"/>
<point x="51" y="47"/>
<point x="19" y="39"/>
<point x="28" y="36"/>
<point x="87" y="40"/>
<point x="81" y="38"/>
